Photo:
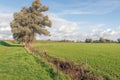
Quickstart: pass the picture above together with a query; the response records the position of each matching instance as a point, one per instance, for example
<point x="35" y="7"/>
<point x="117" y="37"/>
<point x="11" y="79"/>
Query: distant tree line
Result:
<point x="101" y="40"/>
<point x="66" y="40"/>
<point x="87" y="40"/>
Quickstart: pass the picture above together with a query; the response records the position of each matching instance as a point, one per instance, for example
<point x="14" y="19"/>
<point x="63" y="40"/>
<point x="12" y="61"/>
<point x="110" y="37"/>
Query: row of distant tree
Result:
<point x="101" y="40"/>
<point x="87" y="40"/>
<point x="90" y="40"/>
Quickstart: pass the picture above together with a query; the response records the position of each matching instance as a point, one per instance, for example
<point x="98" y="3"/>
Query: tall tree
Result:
<point x="29" y="22"/>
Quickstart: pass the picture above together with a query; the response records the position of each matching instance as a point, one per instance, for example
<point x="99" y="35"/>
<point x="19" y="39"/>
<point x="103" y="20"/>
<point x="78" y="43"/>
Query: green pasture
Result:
<point x="104" y="59"/>
<point x="17" y="64"/>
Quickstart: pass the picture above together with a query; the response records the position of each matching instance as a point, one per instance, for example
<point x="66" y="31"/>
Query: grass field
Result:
<point x="17" y="64"/>
<point x="104" y="59"/>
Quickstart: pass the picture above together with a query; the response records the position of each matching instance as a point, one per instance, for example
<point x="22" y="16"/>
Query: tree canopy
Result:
<point x="29" y="22"/>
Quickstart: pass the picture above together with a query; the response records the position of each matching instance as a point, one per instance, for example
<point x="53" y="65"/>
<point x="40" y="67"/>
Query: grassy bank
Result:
<point x="17" y="64"/>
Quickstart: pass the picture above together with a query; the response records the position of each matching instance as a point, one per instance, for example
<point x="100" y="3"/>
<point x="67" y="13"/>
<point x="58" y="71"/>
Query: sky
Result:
<point x="71" y="19"/>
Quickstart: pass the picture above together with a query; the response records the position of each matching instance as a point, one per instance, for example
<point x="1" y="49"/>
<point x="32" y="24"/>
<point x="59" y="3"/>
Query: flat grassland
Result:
<point x="104" y="59"/>
<point x="17" y="64"/>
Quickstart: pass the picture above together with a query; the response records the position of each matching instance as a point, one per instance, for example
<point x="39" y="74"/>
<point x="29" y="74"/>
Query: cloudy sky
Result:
<point x="71" y="19"/>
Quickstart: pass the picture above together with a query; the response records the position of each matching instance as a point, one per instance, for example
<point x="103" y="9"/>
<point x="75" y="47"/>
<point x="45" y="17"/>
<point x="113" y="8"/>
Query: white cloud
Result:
<point x="76" y="12"/>
<point x="105" y="33"/>
<point x="64" y="29"/>
<point x="5" y="30"/>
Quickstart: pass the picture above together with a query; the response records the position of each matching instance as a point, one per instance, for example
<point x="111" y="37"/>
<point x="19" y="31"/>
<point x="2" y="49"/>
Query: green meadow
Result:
<point x="103" y="58"/>
<point x="17" y="64"/>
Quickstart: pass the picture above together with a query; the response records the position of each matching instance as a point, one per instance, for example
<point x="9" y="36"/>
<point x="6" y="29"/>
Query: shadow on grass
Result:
<point x="9" y="45"/>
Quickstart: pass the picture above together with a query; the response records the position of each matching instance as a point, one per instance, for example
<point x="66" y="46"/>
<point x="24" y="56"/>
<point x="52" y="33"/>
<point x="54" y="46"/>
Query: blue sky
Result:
<point x="90" y="18"/>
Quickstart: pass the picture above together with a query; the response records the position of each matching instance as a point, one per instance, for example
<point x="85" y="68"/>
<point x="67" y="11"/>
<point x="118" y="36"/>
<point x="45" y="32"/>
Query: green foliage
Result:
<point x="17" y="64"/>
<point x="30" y="21"/>
<point x="104" y="59"/>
